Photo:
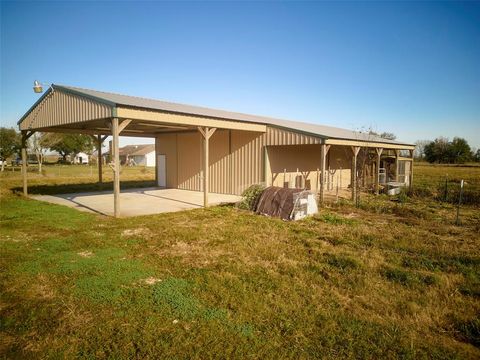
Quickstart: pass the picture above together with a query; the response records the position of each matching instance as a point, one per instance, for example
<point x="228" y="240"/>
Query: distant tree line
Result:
<point x="10" y="143"/>
<point x="39" y="143"/>
<point x="443" y="151"/>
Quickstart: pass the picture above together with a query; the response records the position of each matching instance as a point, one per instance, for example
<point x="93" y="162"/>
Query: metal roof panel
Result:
<point x="152" y="104"/>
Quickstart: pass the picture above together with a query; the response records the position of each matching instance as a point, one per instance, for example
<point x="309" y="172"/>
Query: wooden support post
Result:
<point x="206" y="161"/>
<point x="123" y="125"/>
<point x="377" y="180"/>
<point x="116" y="168"/>
<point x="397" y="168"/>
<point x="322" y="173"/>
<point x="206" y="133"/>
<point x="117" y="127"/>
<point x="267" y="169"/>
<point x="323" y="159"/>
<point x="411" y="170"/>
<point x="156" y="161"/>
<point x="355" y="150"/>
<point x="24" y="164"/>
<point x="25" y="136"/>
<point x="100" y="140"/>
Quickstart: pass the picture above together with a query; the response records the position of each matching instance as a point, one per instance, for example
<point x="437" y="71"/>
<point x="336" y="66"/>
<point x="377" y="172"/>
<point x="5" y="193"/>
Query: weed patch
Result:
<point x="174" y="295"/>
<point x="334" y="219"/>
<point x="468" y="331"/>
<point x="408" y="278"/>
<point x="342" y="263"/>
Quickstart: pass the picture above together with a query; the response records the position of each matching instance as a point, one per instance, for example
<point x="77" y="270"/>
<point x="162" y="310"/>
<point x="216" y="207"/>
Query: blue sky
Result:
<point x="408" y="68"/>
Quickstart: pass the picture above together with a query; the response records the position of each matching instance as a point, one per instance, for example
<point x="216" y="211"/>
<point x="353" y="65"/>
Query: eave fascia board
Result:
<point x="373" y="144"/>
<point x="186" y="119"/>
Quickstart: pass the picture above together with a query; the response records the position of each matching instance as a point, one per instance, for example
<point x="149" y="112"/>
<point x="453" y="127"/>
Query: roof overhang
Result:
<point x="65" y="110"/>
<point x="372" y="144"/>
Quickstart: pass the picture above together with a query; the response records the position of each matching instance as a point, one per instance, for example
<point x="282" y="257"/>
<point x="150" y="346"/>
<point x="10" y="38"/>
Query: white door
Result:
<point x="161" y="170"/>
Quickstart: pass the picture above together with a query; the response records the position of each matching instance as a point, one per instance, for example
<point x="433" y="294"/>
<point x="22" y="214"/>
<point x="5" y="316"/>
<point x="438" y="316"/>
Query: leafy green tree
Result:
<point x="10" y="143"/>
<point x="459" y="151"/>
<point x="443" y="151"/>
<point x="437" y="151"/>
<point x="476" y="155"/>
<point x="69" y="144"/>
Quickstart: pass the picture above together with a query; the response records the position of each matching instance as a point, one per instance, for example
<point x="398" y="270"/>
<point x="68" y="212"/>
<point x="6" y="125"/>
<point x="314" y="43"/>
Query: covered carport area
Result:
<point x="72" y="110"/>
<point x="139" y="201"/>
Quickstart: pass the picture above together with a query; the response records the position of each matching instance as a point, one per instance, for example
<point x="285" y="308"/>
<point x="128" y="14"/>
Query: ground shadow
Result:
<point x="172" y="199"/>
<point x="83" y="187"/>
<point x="85" y="206"/>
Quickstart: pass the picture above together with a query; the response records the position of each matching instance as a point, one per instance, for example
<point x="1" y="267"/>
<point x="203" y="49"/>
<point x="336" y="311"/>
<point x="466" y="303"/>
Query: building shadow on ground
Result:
<point x="55" y="189"/>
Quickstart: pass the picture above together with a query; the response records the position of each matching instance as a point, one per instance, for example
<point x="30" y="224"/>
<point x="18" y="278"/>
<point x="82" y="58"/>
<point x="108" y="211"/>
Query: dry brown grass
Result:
<point x="385" y="280"/>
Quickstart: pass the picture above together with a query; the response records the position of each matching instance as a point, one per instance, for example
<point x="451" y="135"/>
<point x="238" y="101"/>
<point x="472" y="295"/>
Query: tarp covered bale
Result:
<point x="277" y="202"/>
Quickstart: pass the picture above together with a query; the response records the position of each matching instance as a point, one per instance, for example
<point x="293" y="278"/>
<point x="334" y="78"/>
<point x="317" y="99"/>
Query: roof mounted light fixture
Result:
<point x="38" y="87"/>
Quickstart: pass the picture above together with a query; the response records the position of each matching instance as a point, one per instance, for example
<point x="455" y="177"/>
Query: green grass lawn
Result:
<point x="387" y="280"/>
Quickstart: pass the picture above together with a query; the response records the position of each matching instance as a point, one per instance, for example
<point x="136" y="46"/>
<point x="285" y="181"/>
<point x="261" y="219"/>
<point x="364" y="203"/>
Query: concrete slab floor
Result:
<point x="135" y="202"/>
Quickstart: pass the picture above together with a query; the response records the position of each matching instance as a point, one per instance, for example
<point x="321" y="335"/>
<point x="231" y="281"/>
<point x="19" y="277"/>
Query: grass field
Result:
<point x="386" y="280"/>
<point x="442" y="182"/>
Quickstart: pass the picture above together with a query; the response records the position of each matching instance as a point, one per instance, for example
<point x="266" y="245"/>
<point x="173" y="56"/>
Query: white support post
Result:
<point x="206" y="134"/>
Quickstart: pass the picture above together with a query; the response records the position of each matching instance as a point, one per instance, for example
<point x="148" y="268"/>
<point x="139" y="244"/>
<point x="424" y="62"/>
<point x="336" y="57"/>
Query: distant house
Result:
<point x="138" y="155"/>
<point x="81" y="158"/>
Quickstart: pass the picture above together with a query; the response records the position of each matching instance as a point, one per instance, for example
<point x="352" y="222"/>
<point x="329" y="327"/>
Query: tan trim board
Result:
<point x="368" y="144"/>
<point x="136" y="114"/>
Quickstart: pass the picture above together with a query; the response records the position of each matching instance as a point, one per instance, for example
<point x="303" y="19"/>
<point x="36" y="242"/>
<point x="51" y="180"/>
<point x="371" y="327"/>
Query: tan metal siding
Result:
<point x="167" y="145"/>
<point x="219" y="167"/>
<point x="289" y="165"/>
<point x="247" y="160"/>
<point x="237" y="158"/>
<point x="59" y="108"/>
<point x="189" y="159"/>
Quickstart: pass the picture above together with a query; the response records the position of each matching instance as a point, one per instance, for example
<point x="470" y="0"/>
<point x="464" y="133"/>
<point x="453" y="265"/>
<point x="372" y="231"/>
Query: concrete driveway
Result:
<point x="134" y="202"/>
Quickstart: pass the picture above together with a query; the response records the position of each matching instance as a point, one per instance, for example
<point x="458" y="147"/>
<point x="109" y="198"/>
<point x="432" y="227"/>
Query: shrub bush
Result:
<point x="251" y="196"/>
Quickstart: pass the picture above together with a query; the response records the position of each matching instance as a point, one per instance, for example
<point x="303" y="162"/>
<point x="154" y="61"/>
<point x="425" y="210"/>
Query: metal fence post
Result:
<point x="457" y="221"/>
<point x="446" y="188"/>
